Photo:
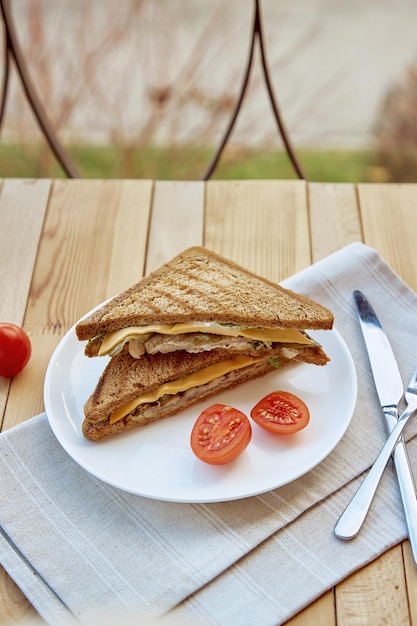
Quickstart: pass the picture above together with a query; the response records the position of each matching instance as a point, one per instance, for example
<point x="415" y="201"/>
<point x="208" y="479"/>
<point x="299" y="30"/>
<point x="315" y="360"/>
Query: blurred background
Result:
<point x="146" y="88"/>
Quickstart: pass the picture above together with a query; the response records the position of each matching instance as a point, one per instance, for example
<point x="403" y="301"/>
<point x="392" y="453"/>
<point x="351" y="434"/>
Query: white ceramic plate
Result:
<point x="156" y="460"/>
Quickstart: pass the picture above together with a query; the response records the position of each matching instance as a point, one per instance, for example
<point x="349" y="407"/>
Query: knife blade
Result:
<point x="389" y="387"/>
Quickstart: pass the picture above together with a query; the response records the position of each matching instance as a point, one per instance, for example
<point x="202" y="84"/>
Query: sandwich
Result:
<point x="198" y="325"/>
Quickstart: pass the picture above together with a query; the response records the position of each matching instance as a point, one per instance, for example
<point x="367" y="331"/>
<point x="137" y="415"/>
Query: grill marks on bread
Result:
<point x="202" y="286"/>
<point x="199" y="286"/>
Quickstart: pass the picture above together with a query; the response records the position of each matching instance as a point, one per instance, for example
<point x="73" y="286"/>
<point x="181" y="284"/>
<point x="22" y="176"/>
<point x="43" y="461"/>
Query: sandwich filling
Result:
<point x="195" y="379"/>
<point x="195" y="337"/>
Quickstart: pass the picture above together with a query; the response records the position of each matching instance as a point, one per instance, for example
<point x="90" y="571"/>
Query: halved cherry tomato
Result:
<point x="220" y="434"/>
<point x="15" y="349"/>
<point x="281" y="412"/>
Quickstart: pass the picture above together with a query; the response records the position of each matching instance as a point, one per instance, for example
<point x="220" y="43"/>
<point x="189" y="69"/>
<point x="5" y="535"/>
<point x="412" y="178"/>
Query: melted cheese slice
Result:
<point x="195" y="379"/>
<point x="282" y="335"/>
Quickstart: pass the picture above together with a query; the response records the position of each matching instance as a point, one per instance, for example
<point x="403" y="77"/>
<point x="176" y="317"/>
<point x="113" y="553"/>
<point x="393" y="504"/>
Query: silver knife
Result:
<point x="390" y="389"/>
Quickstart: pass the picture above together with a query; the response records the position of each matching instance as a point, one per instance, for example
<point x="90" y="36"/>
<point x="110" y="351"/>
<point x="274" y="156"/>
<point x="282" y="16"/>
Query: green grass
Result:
<point x="322" y="166"/>
<point x="188" y="163"/>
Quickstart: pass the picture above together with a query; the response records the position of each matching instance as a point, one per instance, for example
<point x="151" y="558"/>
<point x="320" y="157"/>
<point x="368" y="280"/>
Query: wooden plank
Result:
<point x="367" y="596"/>
<point x="177" y="220"/>
<point x="22" y="209"/>
<point x="388" y="214"/>
<point x="86" y="227"/>
<point x="334" y="217"/>
<point x="23" y="205"/>
<point x="334" y="223"/>
<point x="128" y="251"/>
<point x="91" y="225"/>
<point x="378" y="591"/>
<point x="101" y="225"/>
<point x="376" y="594"/>
<point x="263" y="227"/>
<point x="26" y="398"/>
<point x="389" y="223"/>
<point x="113" y="244"/>
<point x="266" y="228"/>
<point x="14" y="607"/>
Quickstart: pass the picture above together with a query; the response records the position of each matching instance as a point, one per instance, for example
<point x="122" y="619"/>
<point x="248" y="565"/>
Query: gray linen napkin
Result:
<point x="78" y="547"/>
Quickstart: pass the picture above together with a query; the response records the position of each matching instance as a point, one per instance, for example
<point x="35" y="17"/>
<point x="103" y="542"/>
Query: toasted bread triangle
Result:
<point x="125" y="378"/>
<point x="202" y="286"/>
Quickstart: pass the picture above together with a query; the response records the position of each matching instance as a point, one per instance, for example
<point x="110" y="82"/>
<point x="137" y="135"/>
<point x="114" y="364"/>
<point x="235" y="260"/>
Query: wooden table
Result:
<point x="66" y="245"/>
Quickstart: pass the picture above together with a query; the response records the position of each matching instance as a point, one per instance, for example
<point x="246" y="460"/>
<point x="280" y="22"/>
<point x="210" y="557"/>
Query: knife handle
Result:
<point x="406" y="483"/>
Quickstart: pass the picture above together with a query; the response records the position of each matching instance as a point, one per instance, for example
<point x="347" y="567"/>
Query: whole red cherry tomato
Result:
<point x="281" y="412"/>
<point x="220" y="434"/>
<point x="15" y="349"/>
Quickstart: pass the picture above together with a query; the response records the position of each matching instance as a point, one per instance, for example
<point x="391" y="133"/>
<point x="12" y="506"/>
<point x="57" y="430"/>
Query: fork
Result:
<point x="353" y="516"/>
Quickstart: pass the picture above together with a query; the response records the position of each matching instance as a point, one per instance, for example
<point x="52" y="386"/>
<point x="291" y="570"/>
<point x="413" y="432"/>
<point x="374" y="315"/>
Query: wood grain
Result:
<point x="22" y="405"/>
<point x="23" y="206"/>
<point x="334" y="217"/>
<point x="388" y="214"/>
<point x="177" y="221"/>
<point x="85" y="257"/>
<point x="375" y="594"/>
<point x="334" y="223"/>
<point x="389" y="222"/>
<point x="274" y="228"/>
<point x="263" y="227"/>
<point x="78" y="237"/>
<point x="14" y="607"/>
<point x="129" y="237"/>
<point x="338" y="214"/>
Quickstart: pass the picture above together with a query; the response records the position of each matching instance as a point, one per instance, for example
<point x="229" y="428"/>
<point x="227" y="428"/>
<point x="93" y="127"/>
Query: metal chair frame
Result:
<point x="13" y="52"/>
